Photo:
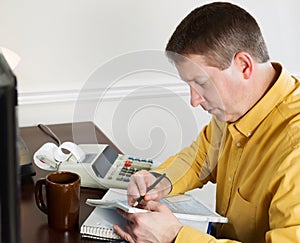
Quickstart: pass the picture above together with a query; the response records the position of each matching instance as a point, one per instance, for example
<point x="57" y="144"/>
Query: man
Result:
<point x="250" y="148"/>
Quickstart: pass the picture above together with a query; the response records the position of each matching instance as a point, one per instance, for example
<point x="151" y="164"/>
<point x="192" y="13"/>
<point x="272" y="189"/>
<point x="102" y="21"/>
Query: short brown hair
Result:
<point x="218" y="31"/>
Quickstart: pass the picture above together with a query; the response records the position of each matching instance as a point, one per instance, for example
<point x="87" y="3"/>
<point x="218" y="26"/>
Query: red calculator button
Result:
<point x="127" y="163"/>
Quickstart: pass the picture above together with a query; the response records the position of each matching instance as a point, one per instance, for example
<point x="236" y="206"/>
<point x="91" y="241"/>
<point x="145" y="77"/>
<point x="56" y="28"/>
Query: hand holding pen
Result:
<point x="149" y="188"/>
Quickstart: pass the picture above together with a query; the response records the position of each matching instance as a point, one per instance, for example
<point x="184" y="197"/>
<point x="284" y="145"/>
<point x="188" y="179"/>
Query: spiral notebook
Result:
<point x="99" y="224"/>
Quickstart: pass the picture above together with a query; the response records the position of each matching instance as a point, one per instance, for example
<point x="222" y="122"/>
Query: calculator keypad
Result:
<point x="124" y="168"/>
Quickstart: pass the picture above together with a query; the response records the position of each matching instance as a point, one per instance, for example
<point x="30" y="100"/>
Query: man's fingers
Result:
<point x="156" y="206"/>
<point x="138" y="185"/>
<point x="123" y="234"/>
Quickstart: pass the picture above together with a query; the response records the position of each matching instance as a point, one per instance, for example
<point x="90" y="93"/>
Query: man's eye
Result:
<point x="199" y="84"/>
<point x="202" y="84"/>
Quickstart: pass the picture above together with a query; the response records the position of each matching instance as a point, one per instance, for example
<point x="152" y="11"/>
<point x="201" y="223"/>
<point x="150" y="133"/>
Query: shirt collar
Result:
<point x="283" y="85"/>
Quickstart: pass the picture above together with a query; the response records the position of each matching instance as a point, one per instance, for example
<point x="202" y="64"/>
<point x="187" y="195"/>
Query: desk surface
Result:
<point x="34" y="226"/>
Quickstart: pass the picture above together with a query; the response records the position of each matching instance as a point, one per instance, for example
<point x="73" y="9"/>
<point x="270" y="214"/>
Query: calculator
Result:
<point x="104" y="168"/>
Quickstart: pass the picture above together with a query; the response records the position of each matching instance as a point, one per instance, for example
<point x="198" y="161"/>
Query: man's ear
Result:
<point x="244" y="63"/>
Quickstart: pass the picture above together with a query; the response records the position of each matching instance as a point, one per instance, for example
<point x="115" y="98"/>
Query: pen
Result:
<point x="149" y="188"/>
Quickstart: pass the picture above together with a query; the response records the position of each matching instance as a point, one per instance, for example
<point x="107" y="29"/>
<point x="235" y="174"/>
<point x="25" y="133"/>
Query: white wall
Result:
<point x="64" y="44"/>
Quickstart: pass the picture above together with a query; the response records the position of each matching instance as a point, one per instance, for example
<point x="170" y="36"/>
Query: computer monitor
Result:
<point x="9" y="169"/>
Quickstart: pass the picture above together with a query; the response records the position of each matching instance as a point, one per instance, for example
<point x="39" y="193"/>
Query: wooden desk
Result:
<point x="34" y="226"/>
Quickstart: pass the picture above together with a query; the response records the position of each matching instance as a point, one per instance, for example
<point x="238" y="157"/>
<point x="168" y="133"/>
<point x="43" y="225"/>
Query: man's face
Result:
<point x="216" y="91"/>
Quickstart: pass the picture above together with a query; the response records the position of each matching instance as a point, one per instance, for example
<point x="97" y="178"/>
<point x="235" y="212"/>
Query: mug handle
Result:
<point x="39" y="199"/>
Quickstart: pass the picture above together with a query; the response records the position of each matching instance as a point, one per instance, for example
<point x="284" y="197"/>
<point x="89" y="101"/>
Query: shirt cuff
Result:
<point x="190" y="234"/>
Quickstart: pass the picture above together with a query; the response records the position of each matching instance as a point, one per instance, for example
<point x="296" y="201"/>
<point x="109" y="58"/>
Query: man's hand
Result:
<point x="140" y="181"/>
<point x="159" y="225"/>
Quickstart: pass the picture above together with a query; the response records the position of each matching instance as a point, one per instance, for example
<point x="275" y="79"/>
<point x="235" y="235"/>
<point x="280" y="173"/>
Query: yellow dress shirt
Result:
<point x="255" y="162"/>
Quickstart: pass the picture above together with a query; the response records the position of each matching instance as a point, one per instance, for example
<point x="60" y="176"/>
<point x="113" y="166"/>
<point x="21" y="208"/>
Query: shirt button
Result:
<point x="229" y="179"/>
<point x="238" y="144"/>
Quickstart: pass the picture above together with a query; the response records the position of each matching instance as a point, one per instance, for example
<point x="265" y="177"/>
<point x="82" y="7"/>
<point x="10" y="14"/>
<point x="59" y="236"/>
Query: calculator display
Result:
<point x="104" y="161"/>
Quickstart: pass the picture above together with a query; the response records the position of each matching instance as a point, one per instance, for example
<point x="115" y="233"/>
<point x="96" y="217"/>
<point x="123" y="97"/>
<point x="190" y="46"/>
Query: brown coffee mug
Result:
<point x="62" y="199"/>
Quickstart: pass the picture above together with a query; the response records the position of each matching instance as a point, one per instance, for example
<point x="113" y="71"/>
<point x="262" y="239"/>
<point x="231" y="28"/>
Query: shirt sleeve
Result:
<point x="195" y="165"/>
<point x="195" y="236"/>
<point x="284" y="211"/>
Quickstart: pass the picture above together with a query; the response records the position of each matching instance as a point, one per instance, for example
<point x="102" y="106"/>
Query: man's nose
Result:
<point x="196" y="97"/>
